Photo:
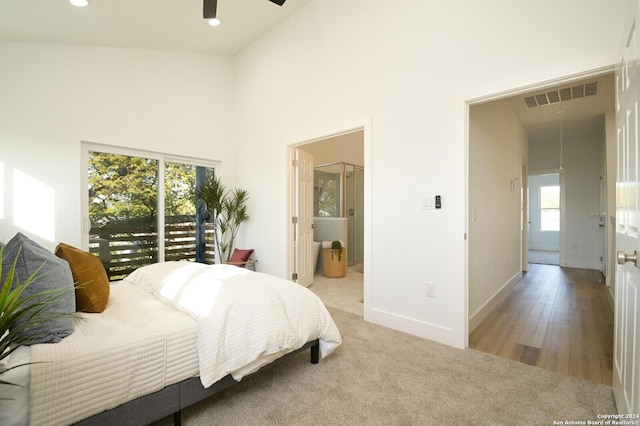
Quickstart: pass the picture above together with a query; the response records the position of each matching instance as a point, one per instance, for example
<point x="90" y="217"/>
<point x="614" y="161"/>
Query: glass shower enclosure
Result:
<point x="339" y="192"/>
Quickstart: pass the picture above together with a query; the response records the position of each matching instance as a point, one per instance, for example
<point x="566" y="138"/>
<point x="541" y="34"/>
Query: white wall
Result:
<point x="582" y="197"/>
<point x="497" y="152"/>
<point x="405" y="71"/>
<point x="544" y="156"/>
<point x="409" y="69"/>
<point x="53" y="97"/>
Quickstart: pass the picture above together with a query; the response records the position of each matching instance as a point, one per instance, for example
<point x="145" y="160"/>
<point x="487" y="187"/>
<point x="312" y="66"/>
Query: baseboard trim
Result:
<point x="493" y="302"/>
<point x="582" y="264"/>
<point x="544" y="248"/>
<point x="424" y="329"/>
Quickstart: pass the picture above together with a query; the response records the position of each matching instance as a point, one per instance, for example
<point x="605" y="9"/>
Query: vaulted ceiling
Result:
<point x="146" y="24"/>
<point x="178" y="25"/>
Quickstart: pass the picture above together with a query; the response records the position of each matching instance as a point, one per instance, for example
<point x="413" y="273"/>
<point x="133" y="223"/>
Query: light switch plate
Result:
<point x="428" y="203"/>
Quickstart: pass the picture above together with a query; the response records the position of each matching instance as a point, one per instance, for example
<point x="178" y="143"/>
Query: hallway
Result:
<point x="559" y="319"/>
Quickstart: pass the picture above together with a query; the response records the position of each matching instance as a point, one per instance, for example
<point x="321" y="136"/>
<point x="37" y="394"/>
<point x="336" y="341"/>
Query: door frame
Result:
<point x="364" y="125"/>
<point x="524" y="212"/>
<point x="604" y="229"/>
<point x="517" y="91"/>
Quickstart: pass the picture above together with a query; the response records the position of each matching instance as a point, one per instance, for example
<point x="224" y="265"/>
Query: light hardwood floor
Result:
<point x="559" y="319"/>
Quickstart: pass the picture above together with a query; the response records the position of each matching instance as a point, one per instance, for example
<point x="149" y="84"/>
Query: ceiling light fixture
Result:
<point x="79" y="3"/>
<point x="210" y="8"/>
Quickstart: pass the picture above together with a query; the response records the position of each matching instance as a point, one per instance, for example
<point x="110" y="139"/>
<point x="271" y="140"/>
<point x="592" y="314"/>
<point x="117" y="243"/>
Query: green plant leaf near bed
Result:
<point x="19" y="314"/>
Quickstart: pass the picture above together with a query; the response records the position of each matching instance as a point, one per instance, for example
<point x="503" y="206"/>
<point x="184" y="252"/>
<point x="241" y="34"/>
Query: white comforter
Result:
<point x="245" y="319"/>
<point x="233" y="321"/>
<point x="137" y="346"/>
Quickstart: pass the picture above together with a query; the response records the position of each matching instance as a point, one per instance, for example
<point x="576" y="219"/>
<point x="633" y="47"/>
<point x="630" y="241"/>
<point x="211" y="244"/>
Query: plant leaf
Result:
<point x="19" y="314"/>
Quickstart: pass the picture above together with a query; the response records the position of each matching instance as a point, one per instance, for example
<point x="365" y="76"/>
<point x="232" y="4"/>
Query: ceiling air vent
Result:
<point x="561" y="95"/>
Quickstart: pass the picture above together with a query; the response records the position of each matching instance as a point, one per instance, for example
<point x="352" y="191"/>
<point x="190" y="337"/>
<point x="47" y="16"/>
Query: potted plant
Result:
<point x="334" y="263"/>
<point x="226" y="210"/>
<point x="336" y="250"/>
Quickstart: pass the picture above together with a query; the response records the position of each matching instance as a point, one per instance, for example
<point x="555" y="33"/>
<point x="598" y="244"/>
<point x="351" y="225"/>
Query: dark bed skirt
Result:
<point x="173" y="398"/>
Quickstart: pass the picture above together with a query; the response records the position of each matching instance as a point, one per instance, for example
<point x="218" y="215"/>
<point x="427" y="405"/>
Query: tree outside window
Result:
<point x="124" y="211"/>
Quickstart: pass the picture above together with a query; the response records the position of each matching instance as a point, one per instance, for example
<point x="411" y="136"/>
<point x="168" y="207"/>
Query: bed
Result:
<point x="171" y="334"/>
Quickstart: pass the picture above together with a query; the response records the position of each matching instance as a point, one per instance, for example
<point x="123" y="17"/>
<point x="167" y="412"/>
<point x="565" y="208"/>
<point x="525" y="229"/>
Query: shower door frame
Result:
<point x="353" y="253"/>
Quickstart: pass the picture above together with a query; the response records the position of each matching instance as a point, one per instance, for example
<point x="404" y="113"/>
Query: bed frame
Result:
<point x="173" y="398"/>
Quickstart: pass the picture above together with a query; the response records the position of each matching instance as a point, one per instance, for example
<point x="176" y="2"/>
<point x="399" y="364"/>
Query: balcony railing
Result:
<point x="124" y="246"/>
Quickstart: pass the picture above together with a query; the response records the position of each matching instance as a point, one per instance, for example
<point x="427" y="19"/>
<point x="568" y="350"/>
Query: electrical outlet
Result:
<point x="430" y="289"/>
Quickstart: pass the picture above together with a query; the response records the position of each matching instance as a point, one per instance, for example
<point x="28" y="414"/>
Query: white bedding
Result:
<point x="245" y="319"/>
<point x="168" y="322"/>
<point x="14" y="400"/>
<point x="138" y="345"/>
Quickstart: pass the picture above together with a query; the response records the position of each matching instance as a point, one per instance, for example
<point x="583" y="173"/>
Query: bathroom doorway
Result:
<point x="344" y="185"/>
<point x="338" y="200"/>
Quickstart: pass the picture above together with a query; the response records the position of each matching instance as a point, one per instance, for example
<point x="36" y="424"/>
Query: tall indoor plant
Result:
<point x="226" y="210"/>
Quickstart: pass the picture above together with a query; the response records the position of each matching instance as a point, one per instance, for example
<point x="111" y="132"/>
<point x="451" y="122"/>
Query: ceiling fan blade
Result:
<point x="278" y="2"/>
<point x="209" y="9"/>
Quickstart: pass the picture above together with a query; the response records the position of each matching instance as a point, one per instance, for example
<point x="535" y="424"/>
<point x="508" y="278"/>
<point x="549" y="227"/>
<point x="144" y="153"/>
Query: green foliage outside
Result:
<point x="123" y="187"/>
<point x="327" y="195"/>
<point x="179" y="188"/>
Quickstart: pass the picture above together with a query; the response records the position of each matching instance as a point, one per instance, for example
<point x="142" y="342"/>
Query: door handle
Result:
<point x="624" y="258"/>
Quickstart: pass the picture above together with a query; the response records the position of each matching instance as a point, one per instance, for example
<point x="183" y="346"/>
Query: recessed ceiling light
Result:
<point x="79" y="3"/>
<point x="214" y="22"/>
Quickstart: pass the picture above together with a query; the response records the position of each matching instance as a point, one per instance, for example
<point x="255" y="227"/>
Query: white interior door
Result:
<point x="304" y="218"/>
<point x="602" y="225"/>
<point x="524" y="218"/>
<point x="626" y="362"/>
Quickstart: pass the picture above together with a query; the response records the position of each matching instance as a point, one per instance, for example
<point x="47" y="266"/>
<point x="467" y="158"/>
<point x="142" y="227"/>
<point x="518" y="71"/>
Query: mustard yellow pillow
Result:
<point x="92" y="282"/>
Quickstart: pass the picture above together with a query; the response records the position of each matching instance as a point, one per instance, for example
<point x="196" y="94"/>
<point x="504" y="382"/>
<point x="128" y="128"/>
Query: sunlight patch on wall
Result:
<point x="33" y="205"/>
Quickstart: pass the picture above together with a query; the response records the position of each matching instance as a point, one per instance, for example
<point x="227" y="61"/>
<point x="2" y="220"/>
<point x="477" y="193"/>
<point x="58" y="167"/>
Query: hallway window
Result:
<point x="550" y="208"/>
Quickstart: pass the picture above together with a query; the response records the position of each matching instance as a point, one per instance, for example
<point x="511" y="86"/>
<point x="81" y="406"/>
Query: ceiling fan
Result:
<point x="210" y="6"/>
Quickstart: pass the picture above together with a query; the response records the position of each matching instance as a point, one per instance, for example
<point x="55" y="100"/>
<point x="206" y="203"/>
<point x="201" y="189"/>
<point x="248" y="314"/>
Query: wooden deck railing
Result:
<point x="127" y="245"/>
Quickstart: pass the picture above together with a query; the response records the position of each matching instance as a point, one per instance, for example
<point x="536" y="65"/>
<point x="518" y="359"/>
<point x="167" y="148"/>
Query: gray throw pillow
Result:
<point x="54" y="273"/>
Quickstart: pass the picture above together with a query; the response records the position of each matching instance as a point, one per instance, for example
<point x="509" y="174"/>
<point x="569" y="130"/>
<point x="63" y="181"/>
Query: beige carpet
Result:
<point x="382" y="377"/>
